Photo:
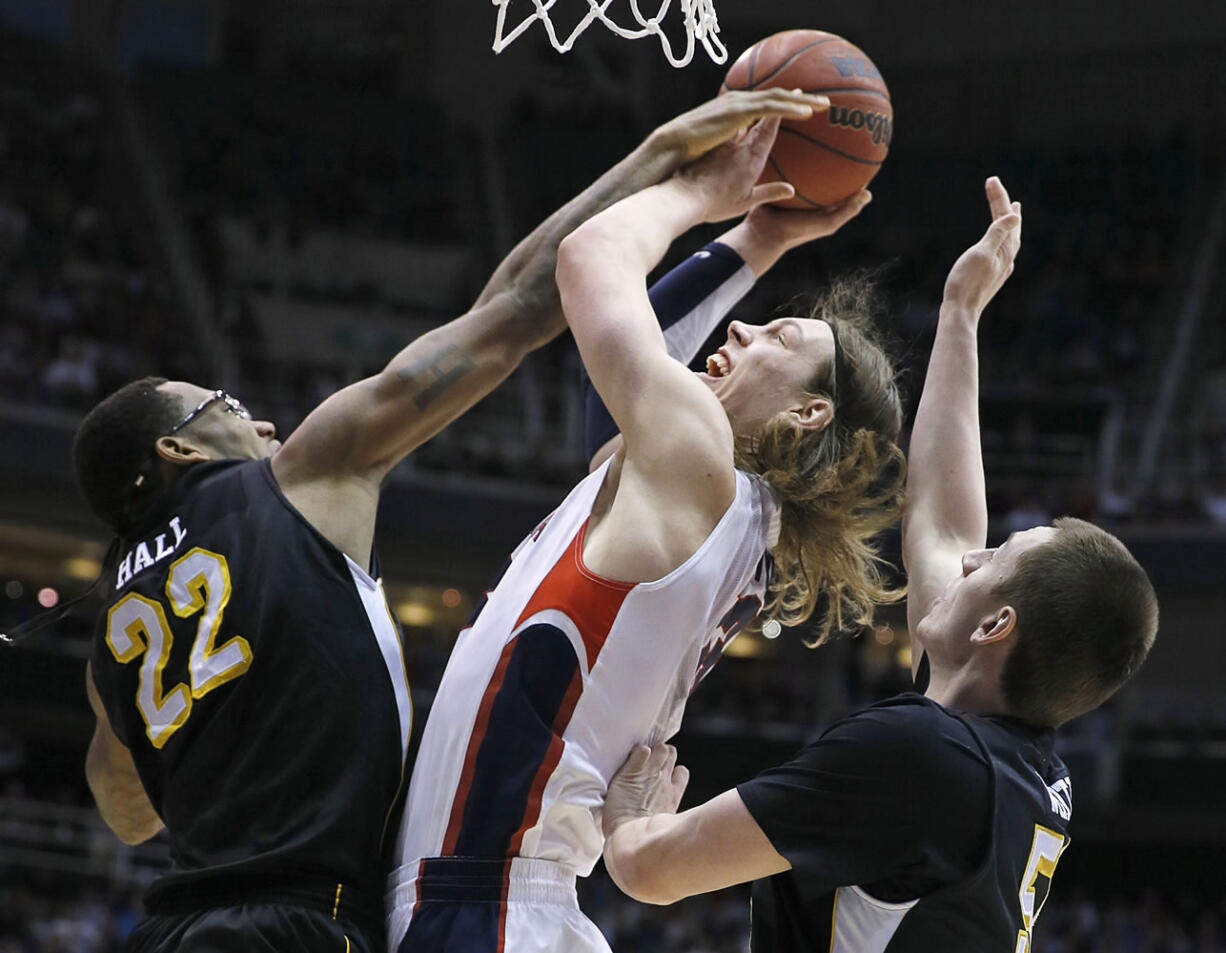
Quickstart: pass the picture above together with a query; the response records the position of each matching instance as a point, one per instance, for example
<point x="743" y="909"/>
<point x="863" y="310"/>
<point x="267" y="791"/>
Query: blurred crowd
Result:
<point x="85" y="305"/>
<point x="80" y="311"/>
<point x="309" y="152"/>
<point x="80" y="919"/>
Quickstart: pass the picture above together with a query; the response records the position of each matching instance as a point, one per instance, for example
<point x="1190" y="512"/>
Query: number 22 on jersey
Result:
<point x="1036" y="881"/>
<point x="197" y="583"/>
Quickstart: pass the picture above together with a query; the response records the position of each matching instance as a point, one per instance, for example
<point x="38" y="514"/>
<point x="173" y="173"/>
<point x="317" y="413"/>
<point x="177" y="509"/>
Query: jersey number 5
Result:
<point x="198" y="582"/>
<point x="1036" y="881"/>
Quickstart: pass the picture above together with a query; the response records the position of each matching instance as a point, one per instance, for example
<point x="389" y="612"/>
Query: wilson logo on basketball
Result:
<point x="853" y="66"/>
<point x="878" y="124"/>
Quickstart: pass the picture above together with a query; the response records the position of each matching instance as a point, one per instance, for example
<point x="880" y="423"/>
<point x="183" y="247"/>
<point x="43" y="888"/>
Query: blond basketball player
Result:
<point x="733" y="493"/>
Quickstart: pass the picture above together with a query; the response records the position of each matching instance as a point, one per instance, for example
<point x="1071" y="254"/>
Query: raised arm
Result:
<point x="769" y="232"/>
<point x="693" y="299"/>
<point x="680" y="141"/>
<point x="677" y="438"/>
<point x="332" y="465"/>
<point x="946" y="512"/>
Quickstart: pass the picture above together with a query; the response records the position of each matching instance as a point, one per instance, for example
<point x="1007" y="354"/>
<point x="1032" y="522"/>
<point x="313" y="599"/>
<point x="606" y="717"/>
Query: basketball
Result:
<point x="835" y="153"/>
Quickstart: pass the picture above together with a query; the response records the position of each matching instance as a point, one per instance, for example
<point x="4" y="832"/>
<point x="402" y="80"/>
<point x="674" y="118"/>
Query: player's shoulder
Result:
<point x="909" y="712"/>
<point x="906" y="750"/>
<point x="221" y="498"/>
<point x="216" y="472"/>
<point x="223" y="485"/>
<point x="916" y="731"/>
<point x="756" y="504"/>
<point x="683" y="444"/>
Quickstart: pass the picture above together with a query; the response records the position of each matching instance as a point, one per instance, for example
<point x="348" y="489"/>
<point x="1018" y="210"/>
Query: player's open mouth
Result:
<point x="718" y="365"/>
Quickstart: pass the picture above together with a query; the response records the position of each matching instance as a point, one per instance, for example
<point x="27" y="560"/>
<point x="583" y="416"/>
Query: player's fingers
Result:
<point x="762" y="136"/>
<point x="771" y="192"/>
<point x="640" y="755"/>
<point x="1013" y="241"/>
<point x="791" y="101"/>
<point x="670" y="760"/>
<point x="814" y="102"/>
<point x="1001" y="229"/>
<point x="841" y="206"/>
<point x="998" y="198"/>
<point x="745" y="107"/>
<point x="681" y="780"/>
<point x="659" y="759"/>
<point x="848" y="209"/>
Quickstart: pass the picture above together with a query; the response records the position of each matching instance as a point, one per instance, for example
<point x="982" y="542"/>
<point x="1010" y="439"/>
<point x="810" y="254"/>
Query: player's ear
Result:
<point x="996" y="626"/>
<point x="816" y="413"/>
<point x="179" y="452"/>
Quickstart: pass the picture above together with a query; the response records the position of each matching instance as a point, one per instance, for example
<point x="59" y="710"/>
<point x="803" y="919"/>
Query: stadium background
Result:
<point x="275" y="196"/>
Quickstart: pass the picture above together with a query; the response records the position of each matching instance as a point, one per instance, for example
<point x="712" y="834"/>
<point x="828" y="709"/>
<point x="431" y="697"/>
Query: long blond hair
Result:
<point x="838" y="487"/>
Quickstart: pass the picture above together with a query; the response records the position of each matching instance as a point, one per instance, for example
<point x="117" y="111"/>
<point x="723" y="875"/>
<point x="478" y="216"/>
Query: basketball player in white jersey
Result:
<point x="615" y="606"/>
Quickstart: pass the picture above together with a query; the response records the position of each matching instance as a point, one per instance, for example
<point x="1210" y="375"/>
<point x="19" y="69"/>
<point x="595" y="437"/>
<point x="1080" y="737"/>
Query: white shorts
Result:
<point x="470" y="905"/>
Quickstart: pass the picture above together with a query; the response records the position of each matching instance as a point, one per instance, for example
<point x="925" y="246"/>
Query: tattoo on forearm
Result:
<point x="437" y="373"/>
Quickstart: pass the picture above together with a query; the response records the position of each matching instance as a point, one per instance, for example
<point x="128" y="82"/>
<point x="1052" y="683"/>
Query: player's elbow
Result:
<point x="591" y="253"/>
<point x="588" y="287"/>
<point x="119" y="796"/>
<point x="578" y="255"/>
<point x="136" y="832"/>
<point x="650" y="886"/>
<point x="129" y="820"/>
<point x="643" y="875"/>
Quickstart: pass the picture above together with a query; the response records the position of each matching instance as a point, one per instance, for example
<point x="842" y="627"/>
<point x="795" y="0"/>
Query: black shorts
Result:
<point x="252" y="928"/>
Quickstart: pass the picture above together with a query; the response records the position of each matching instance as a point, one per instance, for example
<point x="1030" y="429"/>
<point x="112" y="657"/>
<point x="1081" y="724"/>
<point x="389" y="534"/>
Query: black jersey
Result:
<point x="911" y="828"/>
<point x="258" y="678"/>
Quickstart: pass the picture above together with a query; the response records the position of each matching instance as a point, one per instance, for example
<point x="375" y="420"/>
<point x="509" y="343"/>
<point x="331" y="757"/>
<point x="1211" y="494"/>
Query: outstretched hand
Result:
<point x="703" y="128"/>
<point x="769" y="232"/>
<point x="725" y="180"/>
<point x="649" y="782"/>
<point x="786" y="228"/>
<point x="982" y="269"/>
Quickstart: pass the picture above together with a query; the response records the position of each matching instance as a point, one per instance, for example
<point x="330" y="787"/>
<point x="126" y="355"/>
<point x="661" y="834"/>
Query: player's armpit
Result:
<point x="601" y="455"/>
<point x="112" y="777"/>
<point x="667" y="857"/>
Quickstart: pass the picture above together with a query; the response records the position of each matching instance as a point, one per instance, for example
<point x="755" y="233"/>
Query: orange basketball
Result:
<point x="836" y="153"/>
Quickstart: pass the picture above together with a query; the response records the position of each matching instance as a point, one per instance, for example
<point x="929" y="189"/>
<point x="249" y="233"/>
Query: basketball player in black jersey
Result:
<point x="929" y="821"/>
<point x="247" y="676"/>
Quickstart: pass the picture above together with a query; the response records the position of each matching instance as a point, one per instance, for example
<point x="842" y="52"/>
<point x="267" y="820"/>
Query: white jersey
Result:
<point x="561" y="673"/>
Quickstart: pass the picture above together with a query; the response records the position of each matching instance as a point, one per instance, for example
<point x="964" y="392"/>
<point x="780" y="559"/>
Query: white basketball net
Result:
<point x="701" y="26"/>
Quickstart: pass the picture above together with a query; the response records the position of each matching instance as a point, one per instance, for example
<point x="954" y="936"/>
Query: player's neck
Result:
<point x="967" y="687"/>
